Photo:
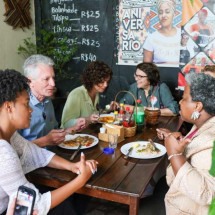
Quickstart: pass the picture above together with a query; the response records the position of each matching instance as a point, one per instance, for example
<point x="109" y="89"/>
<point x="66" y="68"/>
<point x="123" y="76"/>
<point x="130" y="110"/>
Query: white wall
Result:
<point x="11" y="38"/>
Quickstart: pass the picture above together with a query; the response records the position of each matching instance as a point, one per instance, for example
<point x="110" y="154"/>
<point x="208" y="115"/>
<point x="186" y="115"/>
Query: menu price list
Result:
<point x="81" y="27"/>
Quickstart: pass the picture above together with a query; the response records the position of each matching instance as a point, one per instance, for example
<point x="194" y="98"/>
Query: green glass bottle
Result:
<point x="139" y="114"/>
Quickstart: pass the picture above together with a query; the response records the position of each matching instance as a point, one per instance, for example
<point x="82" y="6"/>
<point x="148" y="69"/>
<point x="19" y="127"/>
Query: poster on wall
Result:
<point x="134" y="22"/>
<point x="197" y="38"/>
<point x="149" y="31"/>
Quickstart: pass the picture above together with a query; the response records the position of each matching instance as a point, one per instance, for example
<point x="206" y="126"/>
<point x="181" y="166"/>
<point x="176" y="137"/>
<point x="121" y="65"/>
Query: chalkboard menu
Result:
<point x="88" y="24"/>
<point x="93" y="26"/>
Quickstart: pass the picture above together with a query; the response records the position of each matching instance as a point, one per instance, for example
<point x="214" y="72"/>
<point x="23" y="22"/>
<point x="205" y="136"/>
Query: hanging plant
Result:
<point x="48" y="44"/>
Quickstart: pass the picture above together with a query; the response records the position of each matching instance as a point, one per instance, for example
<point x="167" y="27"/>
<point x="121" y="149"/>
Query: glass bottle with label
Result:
<point x="116" y="120"/>
<point x="121" y="113"/>
<point x="139" y="115"/>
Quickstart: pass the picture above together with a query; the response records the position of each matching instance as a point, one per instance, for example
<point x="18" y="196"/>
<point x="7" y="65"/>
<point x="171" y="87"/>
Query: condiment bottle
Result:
<point x="121" y="113"/>
<point x="128" y="121"/>
<point x="139" y="114"/>
<point x="116" y="121"/>
<point x="127" y="114"/>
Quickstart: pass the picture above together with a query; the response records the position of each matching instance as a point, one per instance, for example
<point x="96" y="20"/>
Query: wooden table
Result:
<point x="117" y="179"/>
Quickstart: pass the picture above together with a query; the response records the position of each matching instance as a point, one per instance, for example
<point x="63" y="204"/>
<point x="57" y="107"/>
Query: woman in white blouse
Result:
<point x="163" y="45"/>
<point x="19" y="156"/>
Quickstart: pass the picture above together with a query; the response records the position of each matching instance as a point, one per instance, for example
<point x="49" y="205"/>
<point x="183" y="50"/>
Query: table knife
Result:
<point x="75" y="153"/>
<point x="129" y="152"/>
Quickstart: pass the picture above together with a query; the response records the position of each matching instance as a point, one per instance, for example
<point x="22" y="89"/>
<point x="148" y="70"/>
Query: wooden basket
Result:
<point x="129" y="131"/>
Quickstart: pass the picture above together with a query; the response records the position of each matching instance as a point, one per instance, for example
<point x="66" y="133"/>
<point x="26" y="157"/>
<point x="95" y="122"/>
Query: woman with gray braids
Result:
<point x="192" y="188"/>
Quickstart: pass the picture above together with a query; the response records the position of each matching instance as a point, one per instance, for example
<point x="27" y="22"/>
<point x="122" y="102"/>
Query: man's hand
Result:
<point x="56" y="136"/>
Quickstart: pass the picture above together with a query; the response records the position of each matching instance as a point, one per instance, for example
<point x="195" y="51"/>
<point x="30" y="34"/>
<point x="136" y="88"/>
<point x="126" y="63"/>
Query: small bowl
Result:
<point x="108" y="150"/>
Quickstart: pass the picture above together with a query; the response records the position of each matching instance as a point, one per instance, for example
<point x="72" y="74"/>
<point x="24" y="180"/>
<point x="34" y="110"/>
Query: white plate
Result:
<point x="134" y="154"/>
<point x="70" y="137"/>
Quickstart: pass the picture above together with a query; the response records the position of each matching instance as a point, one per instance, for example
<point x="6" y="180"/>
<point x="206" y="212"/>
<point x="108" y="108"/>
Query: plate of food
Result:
<point x="143" y="150"/>
<point x="106" y="118"/>
<point x="73" y="141"/>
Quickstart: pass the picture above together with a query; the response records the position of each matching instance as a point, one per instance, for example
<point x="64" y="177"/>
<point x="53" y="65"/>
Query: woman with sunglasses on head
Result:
<point x="148" y="87"/>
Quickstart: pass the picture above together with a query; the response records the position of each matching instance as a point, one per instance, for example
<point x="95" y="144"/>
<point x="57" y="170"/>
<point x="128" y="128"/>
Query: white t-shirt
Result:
<point x="166" y="50"/>
<point x="17" y="159"/>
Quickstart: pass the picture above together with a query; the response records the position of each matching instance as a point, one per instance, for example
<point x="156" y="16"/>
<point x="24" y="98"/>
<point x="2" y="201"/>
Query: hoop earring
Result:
<point x="195" y="115"/>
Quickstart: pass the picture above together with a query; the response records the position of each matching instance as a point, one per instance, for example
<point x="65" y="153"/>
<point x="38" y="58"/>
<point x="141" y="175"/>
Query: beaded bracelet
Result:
<point x="173" y="155"/>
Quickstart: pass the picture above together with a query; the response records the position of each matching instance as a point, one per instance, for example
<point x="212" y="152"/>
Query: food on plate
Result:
<point x="136" y="145"/>
<point x="106" y="119"/>
<point x="83" y="140"/>
<point x="148" y="149"/>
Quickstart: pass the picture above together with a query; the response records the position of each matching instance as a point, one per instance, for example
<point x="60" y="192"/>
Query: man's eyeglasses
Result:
<point x="140" y="76"/>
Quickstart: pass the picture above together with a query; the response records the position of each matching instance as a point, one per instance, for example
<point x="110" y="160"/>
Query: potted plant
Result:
<point x="48" y="44"/>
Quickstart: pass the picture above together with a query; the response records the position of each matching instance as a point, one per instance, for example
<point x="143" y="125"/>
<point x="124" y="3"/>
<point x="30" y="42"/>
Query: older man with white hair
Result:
<point x="43" y="128"/>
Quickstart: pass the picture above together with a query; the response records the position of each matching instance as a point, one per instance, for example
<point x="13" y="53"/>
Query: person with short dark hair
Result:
<point x="191" y="186"/>
<point x="83" y="101"/>
<point x="148" y="85"/>
<point x="18" y="156"/>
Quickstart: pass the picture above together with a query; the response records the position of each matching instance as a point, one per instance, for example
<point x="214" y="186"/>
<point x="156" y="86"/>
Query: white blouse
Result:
<point x="166" y="49"/>
<point x="17" y="159"/>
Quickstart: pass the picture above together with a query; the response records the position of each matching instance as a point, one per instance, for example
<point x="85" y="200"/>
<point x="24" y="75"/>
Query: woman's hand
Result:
<point x="92" y="164"/>
<point x="81" y="123"/>
<point x="86" y="168"/>
<point x="163" y="132"/>
<point x="174" y="146"/>
<point x="94" y="117"/>
<point x="114" y="105"/>
<point x="175" y="149"/>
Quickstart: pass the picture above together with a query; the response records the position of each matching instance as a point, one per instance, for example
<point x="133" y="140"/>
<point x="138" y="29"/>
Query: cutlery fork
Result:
<point x="129" y="152"/>
<point x="152" y="142"/>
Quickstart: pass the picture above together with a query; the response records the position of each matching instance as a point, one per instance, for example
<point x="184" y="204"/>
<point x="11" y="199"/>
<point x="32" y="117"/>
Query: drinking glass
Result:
<point x="112" y="140"/>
